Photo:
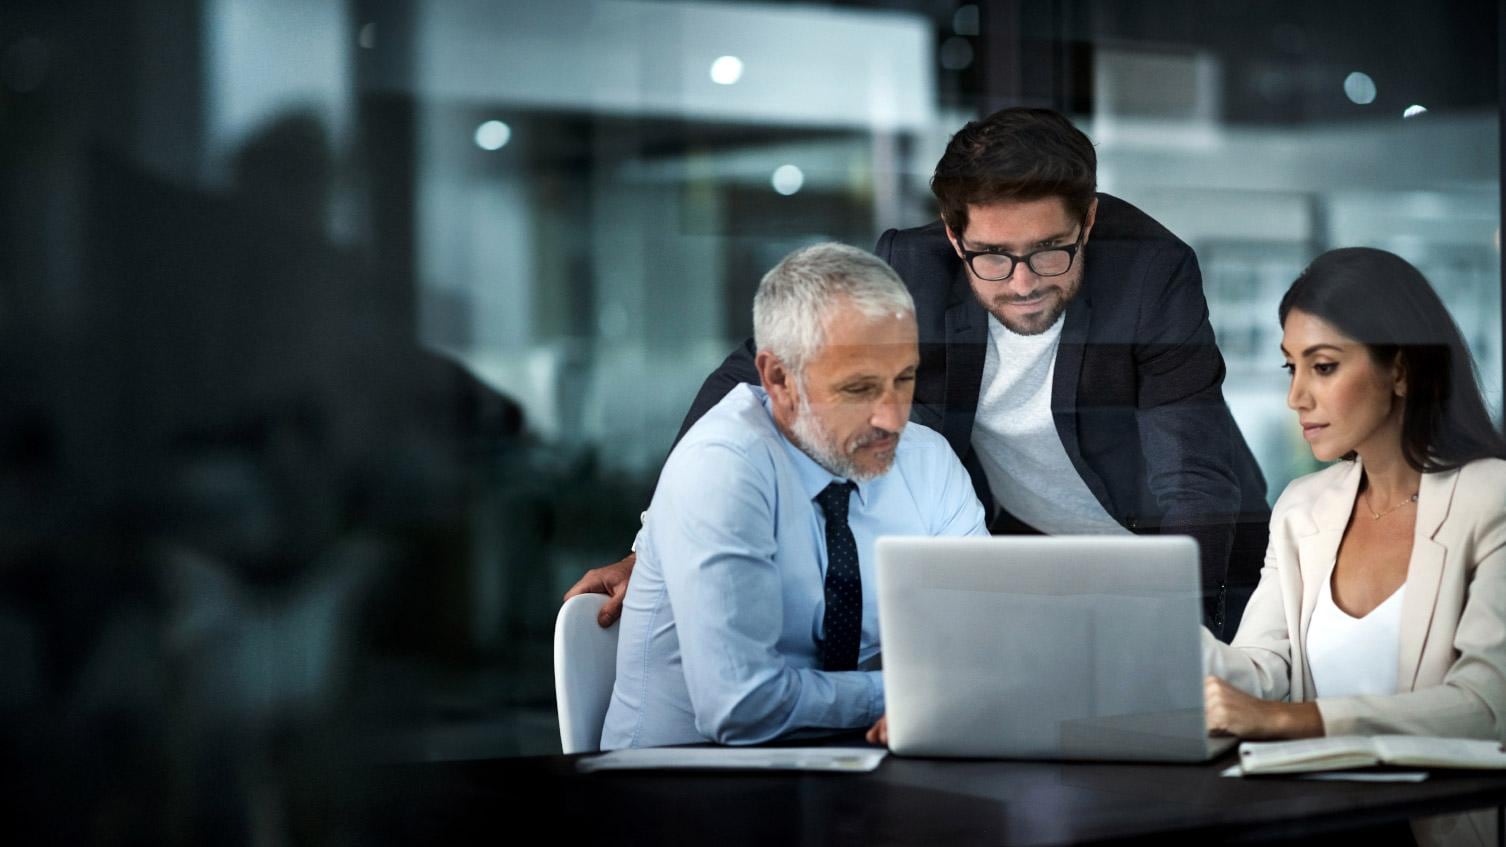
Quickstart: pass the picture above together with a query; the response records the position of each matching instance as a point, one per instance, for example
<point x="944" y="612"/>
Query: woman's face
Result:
<point x="1344" y="401"/>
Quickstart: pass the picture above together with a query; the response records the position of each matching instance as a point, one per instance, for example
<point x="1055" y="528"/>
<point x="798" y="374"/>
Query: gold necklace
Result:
<point x="1374" y="515"/>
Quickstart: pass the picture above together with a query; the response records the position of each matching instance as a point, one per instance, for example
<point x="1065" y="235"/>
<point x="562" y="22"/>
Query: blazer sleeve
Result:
<point x="737" y="368"/>
<point x="1471" y="700"/>
<point x="1186" y="433"/>
<point x="1259" y="660"/>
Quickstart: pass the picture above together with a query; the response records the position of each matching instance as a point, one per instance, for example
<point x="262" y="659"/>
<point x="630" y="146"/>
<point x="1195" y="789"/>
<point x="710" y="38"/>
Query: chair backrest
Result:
<point x="585" y="666"/>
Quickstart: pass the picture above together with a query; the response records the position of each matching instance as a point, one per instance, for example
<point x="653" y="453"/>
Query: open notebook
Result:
<point x="1354" y="751"/>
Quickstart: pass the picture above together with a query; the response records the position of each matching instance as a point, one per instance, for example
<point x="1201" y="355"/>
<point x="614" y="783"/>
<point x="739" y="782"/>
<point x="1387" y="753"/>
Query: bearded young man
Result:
<point x="1066" y="356"/>
<point x="751" y="612"/>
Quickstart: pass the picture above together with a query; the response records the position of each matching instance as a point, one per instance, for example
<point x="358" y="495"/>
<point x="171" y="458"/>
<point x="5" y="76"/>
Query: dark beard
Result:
<point x="1038" y="323"/>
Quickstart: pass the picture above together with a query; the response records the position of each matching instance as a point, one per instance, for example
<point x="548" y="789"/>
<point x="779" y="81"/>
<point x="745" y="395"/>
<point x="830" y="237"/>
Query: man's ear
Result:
<point x="952" y="237"/>
<point x="1089" y="219"/>
<point x="777" y="380"/>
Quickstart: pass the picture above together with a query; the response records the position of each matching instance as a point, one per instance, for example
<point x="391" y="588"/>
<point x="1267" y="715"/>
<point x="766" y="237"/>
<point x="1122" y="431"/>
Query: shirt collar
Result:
<point x="813" y="477"/>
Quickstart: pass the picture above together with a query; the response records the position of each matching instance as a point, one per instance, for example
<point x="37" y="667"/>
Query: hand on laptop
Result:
<point x="1230" y="711"/>
<point x="608" y="579"/>
<point x="879" y="732"/>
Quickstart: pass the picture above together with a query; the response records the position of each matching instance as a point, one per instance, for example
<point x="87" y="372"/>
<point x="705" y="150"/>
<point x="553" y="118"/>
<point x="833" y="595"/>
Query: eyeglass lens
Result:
<point x="1044" y="263"/>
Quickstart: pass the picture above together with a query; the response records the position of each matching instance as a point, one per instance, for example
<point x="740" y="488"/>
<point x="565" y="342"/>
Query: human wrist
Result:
<point x="1298" y="720"/>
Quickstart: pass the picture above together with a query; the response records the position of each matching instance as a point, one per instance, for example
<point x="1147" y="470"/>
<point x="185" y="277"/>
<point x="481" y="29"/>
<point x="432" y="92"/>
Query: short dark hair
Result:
<point x="1382" y="301"/>
<point x="1015" y="154"/>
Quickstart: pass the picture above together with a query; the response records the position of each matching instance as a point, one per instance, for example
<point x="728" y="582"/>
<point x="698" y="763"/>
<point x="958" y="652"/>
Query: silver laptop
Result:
<point x="1042" y="647"/>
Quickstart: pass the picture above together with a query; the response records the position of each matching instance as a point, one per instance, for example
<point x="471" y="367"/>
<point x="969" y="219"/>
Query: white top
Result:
<point x="1350" y="656"/>
<point x="1018" y="446"/>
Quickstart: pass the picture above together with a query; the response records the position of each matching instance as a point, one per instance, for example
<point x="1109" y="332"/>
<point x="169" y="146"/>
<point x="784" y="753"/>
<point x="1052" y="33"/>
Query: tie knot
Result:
<point x="833" y="499"/>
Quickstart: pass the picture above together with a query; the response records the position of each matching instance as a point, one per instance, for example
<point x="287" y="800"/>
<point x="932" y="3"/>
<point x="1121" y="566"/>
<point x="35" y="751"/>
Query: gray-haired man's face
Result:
<point x="855" y="393"/>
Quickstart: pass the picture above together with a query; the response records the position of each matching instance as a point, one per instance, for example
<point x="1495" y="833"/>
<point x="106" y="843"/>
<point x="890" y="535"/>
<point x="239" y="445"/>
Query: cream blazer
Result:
<point x="1452" y="661"/>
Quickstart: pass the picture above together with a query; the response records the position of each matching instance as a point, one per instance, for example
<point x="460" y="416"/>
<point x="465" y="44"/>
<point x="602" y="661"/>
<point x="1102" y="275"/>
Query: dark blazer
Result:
<point x="1137" y="392"/>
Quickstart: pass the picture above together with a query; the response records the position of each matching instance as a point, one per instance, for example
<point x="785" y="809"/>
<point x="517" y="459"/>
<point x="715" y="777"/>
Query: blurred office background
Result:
<point x="339" y="337"/>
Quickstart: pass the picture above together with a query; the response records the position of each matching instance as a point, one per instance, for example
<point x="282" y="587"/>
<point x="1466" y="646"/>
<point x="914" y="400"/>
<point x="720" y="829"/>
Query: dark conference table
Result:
<point x="906" y="801"/>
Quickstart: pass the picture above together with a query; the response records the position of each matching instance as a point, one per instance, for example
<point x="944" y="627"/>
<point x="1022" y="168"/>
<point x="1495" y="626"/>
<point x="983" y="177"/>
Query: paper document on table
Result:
<point x="1235" y="771"/>
<point x="1364" y="776"/>
<point x="829" y="759"/>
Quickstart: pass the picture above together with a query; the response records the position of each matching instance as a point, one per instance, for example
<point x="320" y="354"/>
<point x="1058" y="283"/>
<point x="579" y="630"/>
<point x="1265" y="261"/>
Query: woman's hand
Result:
<point x="879" y="732"/>
<point x="1230" y="711"/>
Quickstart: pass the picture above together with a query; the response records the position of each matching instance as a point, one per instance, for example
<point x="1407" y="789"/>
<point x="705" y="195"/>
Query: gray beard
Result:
<point x="815" y="441"/>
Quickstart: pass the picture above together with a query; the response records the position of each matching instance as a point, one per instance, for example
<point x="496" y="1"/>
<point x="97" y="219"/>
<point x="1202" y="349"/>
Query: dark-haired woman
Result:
<point x="1382" y="604"/>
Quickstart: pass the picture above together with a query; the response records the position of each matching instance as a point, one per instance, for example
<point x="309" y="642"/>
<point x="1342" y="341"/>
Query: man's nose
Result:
<point x="892" y="411"/>
<point x="1022" y="280"/>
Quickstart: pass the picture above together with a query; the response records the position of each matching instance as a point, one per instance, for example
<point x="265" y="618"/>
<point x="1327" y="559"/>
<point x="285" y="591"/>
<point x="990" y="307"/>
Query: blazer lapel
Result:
<point x="1069" y="352"/>
<point x="1069" y="355"/>
<point x="1424" y="574"/>
<point x="1318" y="546"/>
<point x="966" y="335"/>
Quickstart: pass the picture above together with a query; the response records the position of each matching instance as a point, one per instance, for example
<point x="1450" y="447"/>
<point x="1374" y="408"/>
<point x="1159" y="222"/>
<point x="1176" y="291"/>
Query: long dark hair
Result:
<point x="1380" y="300"/>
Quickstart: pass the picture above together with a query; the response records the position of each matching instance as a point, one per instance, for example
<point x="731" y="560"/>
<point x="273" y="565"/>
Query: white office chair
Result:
<point x="585" y="666"/>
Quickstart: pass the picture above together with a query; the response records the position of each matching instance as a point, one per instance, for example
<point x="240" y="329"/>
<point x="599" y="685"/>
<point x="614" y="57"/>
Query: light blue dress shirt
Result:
<point x="725" y="607"/>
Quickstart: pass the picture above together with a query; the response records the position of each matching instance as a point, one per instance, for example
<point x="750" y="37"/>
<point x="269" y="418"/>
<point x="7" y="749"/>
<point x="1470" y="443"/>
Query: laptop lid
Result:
<point x="1043" y="647"/>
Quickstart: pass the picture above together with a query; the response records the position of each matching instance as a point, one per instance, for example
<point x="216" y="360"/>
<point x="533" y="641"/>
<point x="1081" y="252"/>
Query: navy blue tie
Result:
<point x="843" y="623"/>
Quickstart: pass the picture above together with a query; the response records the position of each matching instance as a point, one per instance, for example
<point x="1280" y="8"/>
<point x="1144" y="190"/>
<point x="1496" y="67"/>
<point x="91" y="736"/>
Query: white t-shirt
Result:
<point x="1016" y="440"/>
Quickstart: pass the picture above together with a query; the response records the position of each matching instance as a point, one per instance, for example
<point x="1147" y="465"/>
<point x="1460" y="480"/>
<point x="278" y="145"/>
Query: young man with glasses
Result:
<point x="1066" y="357"/>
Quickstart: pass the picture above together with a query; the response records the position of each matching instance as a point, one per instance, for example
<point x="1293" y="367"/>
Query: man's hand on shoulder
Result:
<point x="611" y="580"/>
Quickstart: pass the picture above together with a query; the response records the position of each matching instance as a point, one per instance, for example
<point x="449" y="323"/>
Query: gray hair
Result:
<point x="795" y="298"/>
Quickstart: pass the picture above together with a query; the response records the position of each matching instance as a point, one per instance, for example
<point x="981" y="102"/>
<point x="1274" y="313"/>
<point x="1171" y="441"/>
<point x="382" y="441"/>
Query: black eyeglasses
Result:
<point x="997" y="265"/>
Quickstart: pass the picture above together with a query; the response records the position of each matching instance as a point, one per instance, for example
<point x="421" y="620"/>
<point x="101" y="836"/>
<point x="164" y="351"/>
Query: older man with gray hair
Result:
<point x="747" y="618"/>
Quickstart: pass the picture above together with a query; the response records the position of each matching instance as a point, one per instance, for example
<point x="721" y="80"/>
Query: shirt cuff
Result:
<point x="875" y="696"/>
